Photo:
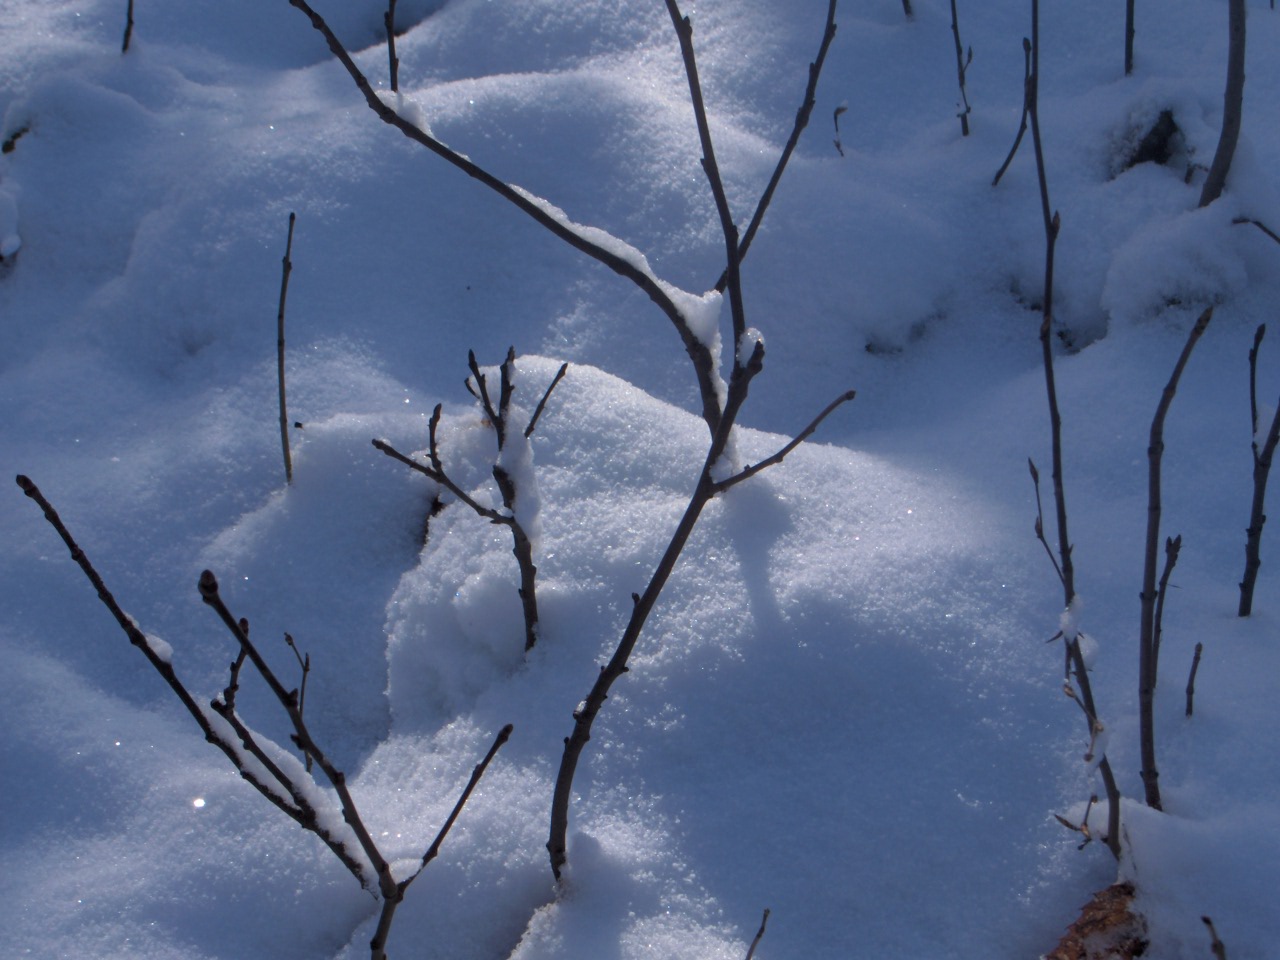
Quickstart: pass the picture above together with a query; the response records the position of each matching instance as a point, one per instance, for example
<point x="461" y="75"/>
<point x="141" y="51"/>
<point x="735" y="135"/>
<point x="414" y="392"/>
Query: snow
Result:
<point x="842" y="708"/>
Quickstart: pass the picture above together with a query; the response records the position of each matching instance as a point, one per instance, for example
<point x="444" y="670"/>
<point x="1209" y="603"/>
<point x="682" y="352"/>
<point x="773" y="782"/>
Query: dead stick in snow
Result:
<point x="285" y="269"/>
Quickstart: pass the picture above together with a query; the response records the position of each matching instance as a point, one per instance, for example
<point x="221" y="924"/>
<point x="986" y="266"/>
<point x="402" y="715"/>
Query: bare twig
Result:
<point x="285" y="269"/>
<point x="1128" y="37"/>
<point x="1262" y="459"/>
<point x="1191" y="679"/>
<point x="801" y="437"/>
<point x="393" y="62"/>
<point x="630" y="267"/>
<point x="1147" y="642"/>
<point x="1082" y="827"/>
<point x="537" y="413"/>
<point x="906" y="8"/>
<point x="802" y="121"/>
<point x="1026" y="101"/>
<point x="836" y="119"/>
<point x="128" y="27"/>
<point x="764" y="920"/>
<point x="278" y="789"/>
<point x="1232" y="105"/>
<point x="304" y="663"/>
<point x="962" y="67"/>
<point x="684" y="31"/>
<point x="1217" y="947"/>
<point x="498" y="417"/>
<point x="1260" y="225"/>
<point x="1065" y="568"/>
<point x="377" y="944"/>
<point x="1171" y="547"/>
<point x="1039" y="527"/>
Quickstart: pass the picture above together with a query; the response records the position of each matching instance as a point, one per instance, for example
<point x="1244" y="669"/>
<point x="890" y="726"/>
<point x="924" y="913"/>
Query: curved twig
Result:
<point x="631" y="265"/>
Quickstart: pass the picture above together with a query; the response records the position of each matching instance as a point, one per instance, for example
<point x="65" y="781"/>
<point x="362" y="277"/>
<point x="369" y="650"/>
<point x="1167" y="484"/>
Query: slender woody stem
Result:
<point x="285" y="269"/>
<point x="802" y="121"/>
<point x="1232" y="105"/>
<point x="684" y="31"/>
<point x="1147" y="642"/>
<point x="700" y="355"/>
<point x="1066" y="569"/>
<point x="1026" y="101"/>
<point x="961" y="69"/>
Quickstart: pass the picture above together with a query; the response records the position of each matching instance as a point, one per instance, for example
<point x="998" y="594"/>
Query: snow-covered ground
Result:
<point x="843" y="708"/>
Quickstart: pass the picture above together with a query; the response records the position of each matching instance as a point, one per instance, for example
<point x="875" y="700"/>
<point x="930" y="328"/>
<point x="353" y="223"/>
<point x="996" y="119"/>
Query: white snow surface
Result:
<point x="843" y="707"/>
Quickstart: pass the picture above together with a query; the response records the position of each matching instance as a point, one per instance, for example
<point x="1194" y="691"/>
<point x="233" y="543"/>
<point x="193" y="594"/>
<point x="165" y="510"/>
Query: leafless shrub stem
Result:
<point x="1216" y="945"/>
<point x="260" y="762"/>
<point x="285" y="269"/>
<point x="1262" y="458"/>
<point x="393" y="62"/>
<point x="1026" y="101"/>
<point x="128" y="27"/>
<point x="764" y="921"/>
<point x="630" y="267"/>
<point x="1066" y="569"/>
<point x="1148" y="640"/>
<point x="1232" y="105"/>
<point x="802" y="121"/>
<point x="748" y="361"/>
<point x="499" y="418"/>
<point x="962" y="67"/>
<point x="1191" y="679"/>
<point x="1128" y="37"/>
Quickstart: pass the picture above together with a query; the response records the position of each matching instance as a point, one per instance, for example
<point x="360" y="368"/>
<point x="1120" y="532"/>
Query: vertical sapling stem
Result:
<point x="285" y="269"/>
<point x="962" y="67"/>
<point x="304" y="663"/>
<point x="128" y="27"/>
<point x="393" y="62"/>
<point x="1128" y="37"/>
<point x="1148" y="639"/>
<point x="1075" y="662"/>
<point x="1191" y="679"/>
<point x="1262" y="459"/>
<point x="764" y="920"/>
<point x="1026" y="104"/>
<point x="1232" y="105"/>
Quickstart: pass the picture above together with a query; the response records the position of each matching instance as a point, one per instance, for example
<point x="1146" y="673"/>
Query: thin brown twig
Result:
<point x="1147" y="643"/>
<point x="699" y="353"/>
<point x="393" y="62"/>
<point x="128" y="27"/>
<point x="1216" y="946"/>
<point x="799" y="438"/>
<point x="537" y="413"/>
<point x="1066" y="569"/>
<point x="684" y="31"/>
<point x="1191" y="679"/>
<point x="286" y="268"/>
<point x="1260" y="225"/>
<point x="1232" y="105"/>
<point x="1172" y="545"/>
<point x="764" y="920"/>
<point x="1262" y="460"/>
<point x="1026" y="100"/>
<point x="802" y="121"/>
<point x="962" y="67"/>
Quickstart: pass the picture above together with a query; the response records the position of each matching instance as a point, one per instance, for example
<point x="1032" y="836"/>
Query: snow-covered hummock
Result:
<point x="843" y="700"/>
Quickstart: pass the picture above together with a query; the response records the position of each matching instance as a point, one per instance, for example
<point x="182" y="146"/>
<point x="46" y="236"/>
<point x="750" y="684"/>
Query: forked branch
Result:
<point x="1075" y="663"/>
<point x="802" y="121"/>
<point x="1262" y="459"/>
<point x="263" y="764"/>
<point x="508" y="486"/>
<point x="1148" y="642"/>
<point x="627" y="263"/>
